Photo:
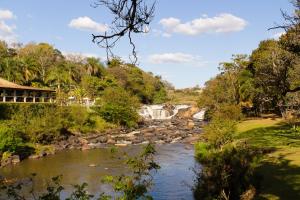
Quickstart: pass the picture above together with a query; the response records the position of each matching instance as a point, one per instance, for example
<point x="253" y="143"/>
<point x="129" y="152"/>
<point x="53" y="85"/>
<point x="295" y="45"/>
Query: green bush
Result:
<point x="45" y="123"/>
<point x="9" y="140"/>
<point x="226" y="173"/>
<point x="224" y="111"/>
<point x="88" y="122"/>
<point x="119" y="107"/>
<point x="229" y="112"/>
<point x="40" y="123"/>
<point x="227" y="167"/>
<point x="220" y="132"/>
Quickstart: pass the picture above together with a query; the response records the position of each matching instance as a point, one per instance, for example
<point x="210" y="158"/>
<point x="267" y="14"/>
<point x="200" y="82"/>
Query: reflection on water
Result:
<point x="171" y="181"/>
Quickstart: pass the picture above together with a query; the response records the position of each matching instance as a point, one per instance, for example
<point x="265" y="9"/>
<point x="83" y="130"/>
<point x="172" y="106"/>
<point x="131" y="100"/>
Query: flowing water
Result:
<point x="159" y="112"/>
<point x="173" y="180"/>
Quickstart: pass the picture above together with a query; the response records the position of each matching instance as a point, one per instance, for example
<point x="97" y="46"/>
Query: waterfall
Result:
<point x="199" y="115"/>
<point x="159" y="112"/>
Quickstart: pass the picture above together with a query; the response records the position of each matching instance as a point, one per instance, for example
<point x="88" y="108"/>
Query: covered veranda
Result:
<point x="11" y="92"/>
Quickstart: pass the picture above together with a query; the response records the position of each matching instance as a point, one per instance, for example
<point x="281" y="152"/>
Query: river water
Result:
<point x="173" y="181"/>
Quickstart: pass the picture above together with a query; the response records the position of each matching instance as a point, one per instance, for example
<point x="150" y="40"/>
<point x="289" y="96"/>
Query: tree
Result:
<point x="119" y="107"/>
<point x="93" y="67"/>
<point x="41" y="57"/>
<point x="272" y="68"/>
<point x="130" y="16"/>
<point x="232" y="70"/>
<point x="291" y="21"/>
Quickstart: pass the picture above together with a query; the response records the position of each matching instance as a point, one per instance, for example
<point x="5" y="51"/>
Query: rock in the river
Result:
<point x="123" y="143"/>
<point x="176" y="139"/>
<point x="190" y="124"/>
<point x="111" y="141"/>
<point x="85" y="147"/>
<point x="160" y="142"/>
<point x="34" y="156"/>
<point x="83" y="141"/>
<point x="8" y="159"/>
<point x="15" y="159"/>
<point x="103" y="139"/>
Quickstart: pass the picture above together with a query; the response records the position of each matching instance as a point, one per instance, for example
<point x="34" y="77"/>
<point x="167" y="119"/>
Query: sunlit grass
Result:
<point x="258" y="123"/>
<point x="281" y="167"/>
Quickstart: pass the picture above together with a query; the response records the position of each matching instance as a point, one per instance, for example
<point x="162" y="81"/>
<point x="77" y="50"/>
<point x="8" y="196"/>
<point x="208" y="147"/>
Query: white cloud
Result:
<point x="174" y="58"/>
<point x="219" y="24"/>
<point x="161" y="33"/>
<point x="276" y="36"/>
<point x="7" y="31"/>
<point x="167" y="35"/>
<point x="6" y="14"/>
<point x="87" y="24"/>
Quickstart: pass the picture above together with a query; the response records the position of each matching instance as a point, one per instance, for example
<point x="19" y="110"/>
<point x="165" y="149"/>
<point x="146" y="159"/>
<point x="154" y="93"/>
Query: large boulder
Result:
<point x="187" y="113"/>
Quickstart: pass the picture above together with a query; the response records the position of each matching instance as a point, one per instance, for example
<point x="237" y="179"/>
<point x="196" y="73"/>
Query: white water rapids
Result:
<point x="161" y="112"/>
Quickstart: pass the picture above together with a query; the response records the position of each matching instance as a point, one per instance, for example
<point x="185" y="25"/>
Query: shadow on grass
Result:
<point x="281" y="180"/>
<point x="272" y="137"/>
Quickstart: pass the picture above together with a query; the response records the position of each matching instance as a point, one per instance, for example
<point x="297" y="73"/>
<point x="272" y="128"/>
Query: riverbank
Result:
<point x="281" y="167"/>
<point x="172" y="181"/>
<point x="175" y="130"/>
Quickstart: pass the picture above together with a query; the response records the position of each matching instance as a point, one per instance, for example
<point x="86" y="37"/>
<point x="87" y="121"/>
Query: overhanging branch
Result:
<point x="130" y="16"/>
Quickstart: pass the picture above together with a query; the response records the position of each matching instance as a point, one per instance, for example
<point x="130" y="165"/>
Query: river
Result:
<point x="172" y="181"/>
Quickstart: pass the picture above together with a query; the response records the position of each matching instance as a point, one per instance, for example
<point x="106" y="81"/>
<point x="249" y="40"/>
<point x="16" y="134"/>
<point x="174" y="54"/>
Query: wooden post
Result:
<point x="25" y="94"/>
<point x="15" y="96"/>
<point x="4" y="97"/>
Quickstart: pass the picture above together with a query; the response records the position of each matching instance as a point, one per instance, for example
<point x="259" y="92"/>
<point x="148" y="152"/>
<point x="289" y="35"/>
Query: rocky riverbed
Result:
<point x="182" y="128"/>
<point x="157" y="131"/>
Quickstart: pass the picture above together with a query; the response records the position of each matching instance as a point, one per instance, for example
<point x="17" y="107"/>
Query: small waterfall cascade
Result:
<point x="160" y="112"/>
<point x="199" y="115"/>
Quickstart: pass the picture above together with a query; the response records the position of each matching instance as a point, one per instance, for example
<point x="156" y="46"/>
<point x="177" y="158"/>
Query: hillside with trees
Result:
<point x="41" y="65"/>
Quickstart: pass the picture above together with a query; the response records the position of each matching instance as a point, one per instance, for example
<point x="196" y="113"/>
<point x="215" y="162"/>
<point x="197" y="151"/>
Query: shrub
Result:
<point x="40" y="123"/>
<point x="220" y="132"/>
<point x="226" y="173"/>
<point x="227" y="167"/>
<point x="119" y="107"/>
<point x="9" y="140"/>
<point x="44" y="123"/>
<point x="160" y="96"/>
<point x="229" y="112"/>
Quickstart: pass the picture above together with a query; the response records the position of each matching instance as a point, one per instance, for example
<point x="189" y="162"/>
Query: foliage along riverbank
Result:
<point x="265" y="82"/>
<point x="37" y="130"/>
<point x="117" y="88"/>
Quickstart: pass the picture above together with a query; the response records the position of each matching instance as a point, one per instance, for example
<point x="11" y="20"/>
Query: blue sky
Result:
<point x="186" y="42"/>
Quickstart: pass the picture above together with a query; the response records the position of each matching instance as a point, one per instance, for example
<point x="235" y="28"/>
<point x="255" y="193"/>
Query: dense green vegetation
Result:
<point x="240" y="160"/>
<point x="118" y="89"/>
<point x="44" y="66"/>
<point x="265" y="81"/>
<point x="27" y="124"/>
<point x="119" y="107"/>
<point x="250" y="160"/>
<point x="260" y="160"/>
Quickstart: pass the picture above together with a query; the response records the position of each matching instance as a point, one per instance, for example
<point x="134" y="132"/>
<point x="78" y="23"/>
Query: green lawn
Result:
<point x="280" y="168"/>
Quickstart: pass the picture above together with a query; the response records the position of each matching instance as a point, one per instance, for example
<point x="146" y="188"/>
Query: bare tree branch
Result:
<point x="130" y="16"/>
<point x="291" y="20"/>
